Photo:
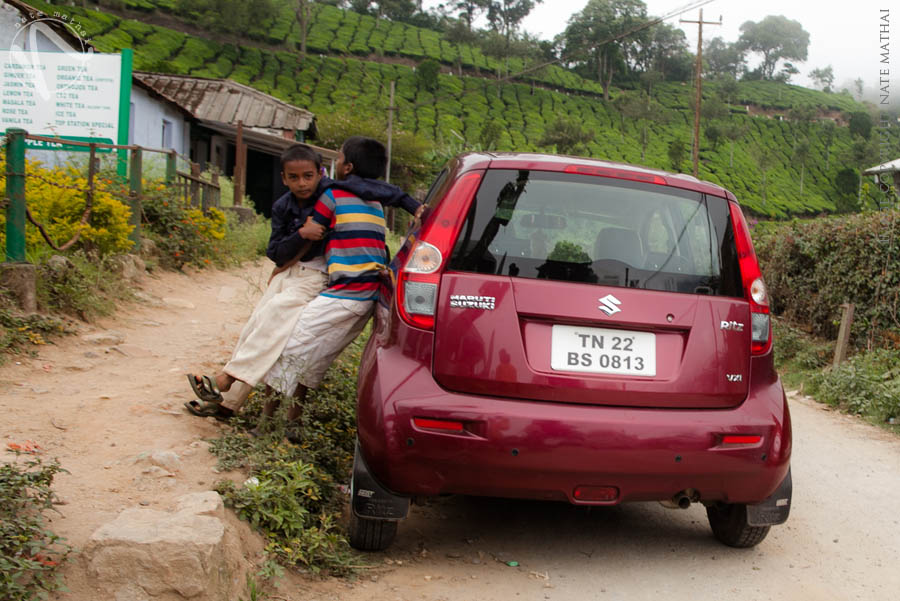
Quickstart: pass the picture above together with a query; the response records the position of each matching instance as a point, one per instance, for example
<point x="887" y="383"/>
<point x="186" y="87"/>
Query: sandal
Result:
<point x="205" y="388"/>
<point x="209" y="409"/>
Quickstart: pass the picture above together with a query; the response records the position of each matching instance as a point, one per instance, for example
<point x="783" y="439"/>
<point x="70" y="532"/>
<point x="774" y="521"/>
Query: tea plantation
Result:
<point x="352" y="58"/>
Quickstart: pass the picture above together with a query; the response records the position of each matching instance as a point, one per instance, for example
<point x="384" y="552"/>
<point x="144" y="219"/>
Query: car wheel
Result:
<point x="729" y="525"/>
<point x="371" y="535"/>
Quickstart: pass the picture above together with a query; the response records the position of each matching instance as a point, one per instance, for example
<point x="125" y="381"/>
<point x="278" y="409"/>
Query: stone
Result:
<point x="150" y="554"/>
<point x="149" y="248"/>
<point x="19" y="279"/>
<point x="178" y="303"/>
<point x="130" y="267"/>
<point x="59" y="264"/>
<point x="109" y="337"/>
<point x="166" y="459"/>
<point x="207" y="503"/>
<point x="147" y="298"/>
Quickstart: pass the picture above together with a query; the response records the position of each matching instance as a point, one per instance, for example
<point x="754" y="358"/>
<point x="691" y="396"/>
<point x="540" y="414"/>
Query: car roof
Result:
<point x="554" y="162"/>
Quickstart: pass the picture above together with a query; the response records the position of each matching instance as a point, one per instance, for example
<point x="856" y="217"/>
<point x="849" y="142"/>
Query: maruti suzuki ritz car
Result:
<point x="578" y="330"/>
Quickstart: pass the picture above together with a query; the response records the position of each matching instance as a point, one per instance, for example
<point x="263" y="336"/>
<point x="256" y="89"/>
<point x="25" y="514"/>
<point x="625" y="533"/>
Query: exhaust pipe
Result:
<point x="682" y="500"/>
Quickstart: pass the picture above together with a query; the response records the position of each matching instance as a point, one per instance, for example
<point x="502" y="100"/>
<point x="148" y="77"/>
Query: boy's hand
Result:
<point x="311" y="230"/>
<point x="417" y="216"/>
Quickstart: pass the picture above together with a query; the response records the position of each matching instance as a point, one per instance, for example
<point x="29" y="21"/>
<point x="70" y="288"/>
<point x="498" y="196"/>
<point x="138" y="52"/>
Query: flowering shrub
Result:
<point x="182" y="233"/>
<point x="56" y="199"/>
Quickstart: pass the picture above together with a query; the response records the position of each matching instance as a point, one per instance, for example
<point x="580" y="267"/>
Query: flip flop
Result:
<point x="208" y="409"/>
<point x="205" y="388"/>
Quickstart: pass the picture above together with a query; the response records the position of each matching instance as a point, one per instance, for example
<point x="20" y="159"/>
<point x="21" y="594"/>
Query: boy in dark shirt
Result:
<point x="295" y="281"/>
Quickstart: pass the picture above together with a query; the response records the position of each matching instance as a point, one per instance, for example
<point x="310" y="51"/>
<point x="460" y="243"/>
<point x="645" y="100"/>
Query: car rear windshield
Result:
<point x="583" y="228"/>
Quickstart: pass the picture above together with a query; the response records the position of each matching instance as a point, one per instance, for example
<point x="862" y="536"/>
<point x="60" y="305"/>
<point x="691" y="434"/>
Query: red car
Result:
<point x="572" y="329"/>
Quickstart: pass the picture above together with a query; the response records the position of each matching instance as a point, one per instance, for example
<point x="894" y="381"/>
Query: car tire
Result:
<point x="371" y="535"/>
<point x="729" y="525"/>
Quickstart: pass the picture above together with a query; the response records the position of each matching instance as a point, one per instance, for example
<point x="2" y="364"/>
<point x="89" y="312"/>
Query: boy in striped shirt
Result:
<point x="355" y="253"/>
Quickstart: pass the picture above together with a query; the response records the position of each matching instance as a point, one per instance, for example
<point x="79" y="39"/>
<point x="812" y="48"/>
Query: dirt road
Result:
<point x="98" y="407"/>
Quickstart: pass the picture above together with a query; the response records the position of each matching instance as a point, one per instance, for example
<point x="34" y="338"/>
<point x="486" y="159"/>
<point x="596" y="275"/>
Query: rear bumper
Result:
<point x="544" y="450"/>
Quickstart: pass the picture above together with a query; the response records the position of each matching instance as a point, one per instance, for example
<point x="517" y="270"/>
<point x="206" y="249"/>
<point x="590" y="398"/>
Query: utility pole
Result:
<point x="698" y="83"/>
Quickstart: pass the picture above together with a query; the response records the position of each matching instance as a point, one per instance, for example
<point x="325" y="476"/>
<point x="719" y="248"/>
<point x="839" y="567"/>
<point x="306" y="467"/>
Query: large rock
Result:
<point x="167" y="556"/>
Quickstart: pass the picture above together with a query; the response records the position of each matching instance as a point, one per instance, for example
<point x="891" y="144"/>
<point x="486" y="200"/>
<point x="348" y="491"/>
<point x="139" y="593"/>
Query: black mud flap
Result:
<point x="775" y="509"/>
<point x="370" y="499"/>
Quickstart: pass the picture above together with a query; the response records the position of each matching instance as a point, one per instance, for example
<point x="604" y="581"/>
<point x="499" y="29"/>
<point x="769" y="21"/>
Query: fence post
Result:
<point x="216" y="190"/>
<point x="136" y="189"/>
<point x="195" y="186"/>
<point x="171" y="166"/>
<point x="840" y="350"/>
<point x="205" y="197"/>
<point x="15" y="192"/>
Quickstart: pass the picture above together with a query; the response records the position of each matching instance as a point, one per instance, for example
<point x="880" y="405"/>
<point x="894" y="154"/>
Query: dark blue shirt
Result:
<point x="289" y="214"/>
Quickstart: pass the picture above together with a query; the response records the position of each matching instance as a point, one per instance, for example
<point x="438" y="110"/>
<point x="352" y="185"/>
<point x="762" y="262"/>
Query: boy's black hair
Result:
<point x="368" y="156"/>
<point x="301" y="152"/>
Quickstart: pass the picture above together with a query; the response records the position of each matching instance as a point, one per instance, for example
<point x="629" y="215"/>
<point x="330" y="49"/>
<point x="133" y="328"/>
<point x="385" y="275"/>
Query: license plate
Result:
<point x="603" y="351"/>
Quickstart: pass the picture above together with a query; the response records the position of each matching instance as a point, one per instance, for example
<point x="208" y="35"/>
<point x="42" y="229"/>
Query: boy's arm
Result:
<point x="387" y="194"/>
<point x="286" y="242"/>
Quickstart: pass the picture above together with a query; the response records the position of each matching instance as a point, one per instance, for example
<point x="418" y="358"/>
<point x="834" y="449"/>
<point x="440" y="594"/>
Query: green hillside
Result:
<point x="760" y="167"/>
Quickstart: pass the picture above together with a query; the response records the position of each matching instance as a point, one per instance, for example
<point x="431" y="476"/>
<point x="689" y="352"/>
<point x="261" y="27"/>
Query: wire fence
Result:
<point x="89" y="167"/>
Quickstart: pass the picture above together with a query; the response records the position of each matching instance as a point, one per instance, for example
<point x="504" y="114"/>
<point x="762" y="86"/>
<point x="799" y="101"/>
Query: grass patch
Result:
<point x="21" y="334"/>
<point x="295" y="493"/>
<point x="866" y="385"/>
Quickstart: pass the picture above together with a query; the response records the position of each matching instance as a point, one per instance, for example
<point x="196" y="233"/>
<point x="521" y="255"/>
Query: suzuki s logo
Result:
<point x="609" y="304"/>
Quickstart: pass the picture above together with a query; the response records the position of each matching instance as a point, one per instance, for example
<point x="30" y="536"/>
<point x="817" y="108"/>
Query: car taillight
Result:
<point x="419" y="279"/>
<point x="754" y="287"/>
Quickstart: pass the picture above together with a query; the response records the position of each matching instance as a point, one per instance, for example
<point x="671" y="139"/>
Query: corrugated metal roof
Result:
<point x="226" y="101"/>
<point x="891" y="167"/>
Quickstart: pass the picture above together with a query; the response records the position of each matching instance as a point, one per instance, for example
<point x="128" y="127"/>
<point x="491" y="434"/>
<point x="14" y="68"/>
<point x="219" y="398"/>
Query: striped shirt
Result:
<point x="354" y="250"/>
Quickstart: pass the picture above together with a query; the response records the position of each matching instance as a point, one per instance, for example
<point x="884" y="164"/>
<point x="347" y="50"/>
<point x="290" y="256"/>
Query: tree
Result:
<point x="858" y="86"/>
<point x="567" y="135"/>
<point x="861" y="124"/>
<point x="727" y="89"/>
<point x="644" y="111"/>
<point x="801" y="156"/>
<point x="845" y="185"/>
<point x="469" y="9"/>
<point x="676" y="154"/>
<point x="828" y="138"/>
<point x="304" y="8"/>
<point x="823" y="78"/>
<point x="776" y="38"/>
<point x="723" y="59"/>
<point x="787" y="71"/>
<point x="734" y="131"/>
<point x="427" y="74"/>
<point x="586" y="38"/>
<point x="663" y="49"/>
<point x="506" y="15"/>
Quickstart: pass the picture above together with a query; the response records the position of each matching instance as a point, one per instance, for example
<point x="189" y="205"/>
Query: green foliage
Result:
<point x="30" y="554"/>
<point x="295" y="498"/>
<point x="566" y="135"/>
<point x="812" y="267"/>
<point x="568" y="251"/>
<point x="20" y="333"/>
<point x="182" y="233"/>
<point x="775" y="38"/>
<point x="868" y="385"/>
<point x="82" y="285"/>
<point x="57" y="198"/>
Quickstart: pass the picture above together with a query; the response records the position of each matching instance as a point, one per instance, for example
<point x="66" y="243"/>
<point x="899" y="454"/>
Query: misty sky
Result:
<point x="846" y="38"/>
